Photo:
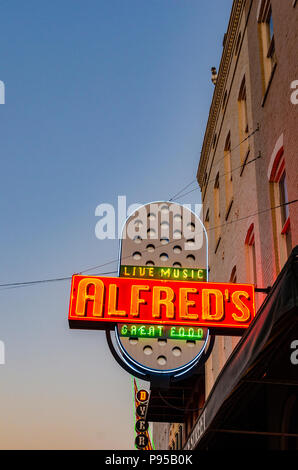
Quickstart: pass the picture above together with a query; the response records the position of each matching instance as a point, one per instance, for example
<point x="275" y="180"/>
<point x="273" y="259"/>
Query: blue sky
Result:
<point x="103" y="98"/>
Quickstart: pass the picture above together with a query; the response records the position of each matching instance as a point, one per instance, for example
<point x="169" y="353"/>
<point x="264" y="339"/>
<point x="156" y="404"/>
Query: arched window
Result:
<point x="243" y="121"/>
<point x="267" y="41"/>
<point x="279" y="197"/>
<point x="251" y="264"/>
<point x="216" y="197"/>
<point x="228" y="175"/>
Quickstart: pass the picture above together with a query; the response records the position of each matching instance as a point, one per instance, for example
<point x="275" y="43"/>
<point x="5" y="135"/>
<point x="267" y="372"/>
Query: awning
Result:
<point x="254" y="397"/>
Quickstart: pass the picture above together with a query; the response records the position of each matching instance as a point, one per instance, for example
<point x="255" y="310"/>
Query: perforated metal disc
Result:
<point x="162" y="354"/>
<point x="163" y="234"/>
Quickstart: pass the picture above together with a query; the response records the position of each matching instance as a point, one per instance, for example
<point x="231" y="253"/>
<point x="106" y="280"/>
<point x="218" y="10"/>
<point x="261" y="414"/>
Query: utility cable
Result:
<point x="28" y="283"/>
<point x="221" y="176"/>
<point x="181" y="191"/>
<point x="253" y="215"/>
<point x="228" y="153"/>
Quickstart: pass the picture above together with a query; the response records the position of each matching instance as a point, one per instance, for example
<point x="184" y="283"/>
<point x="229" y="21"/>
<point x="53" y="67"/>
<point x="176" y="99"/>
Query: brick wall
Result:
<point x="271" y="109"/>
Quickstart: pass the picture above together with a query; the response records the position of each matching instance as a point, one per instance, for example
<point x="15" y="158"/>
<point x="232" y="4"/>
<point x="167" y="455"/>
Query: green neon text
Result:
<point x="159" y="331"/>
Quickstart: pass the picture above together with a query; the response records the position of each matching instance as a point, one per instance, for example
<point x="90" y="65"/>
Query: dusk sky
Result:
<point x="103" y="98"/>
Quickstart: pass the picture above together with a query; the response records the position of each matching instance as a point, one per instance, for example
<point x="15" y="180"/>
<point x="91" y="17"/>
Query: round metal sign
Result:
<point x="167" y="241"/>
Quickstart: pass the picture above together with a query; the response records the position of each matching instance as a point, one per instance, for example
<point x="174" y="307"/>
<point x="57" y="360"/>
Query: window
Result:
<point x="216" y="212"/>
<point x="284" y="213"/>
<point x="228" y="175"/>
<point x="283" y="191"/>
<point x="267" y="41"/>
<point x="233" y="277"/>
<point x="243" y="106"/>
<point x="251" y="263"/>
<point x="281" y="222"/>
<point x="243" y="121"/>
<point x="270" y="28"/>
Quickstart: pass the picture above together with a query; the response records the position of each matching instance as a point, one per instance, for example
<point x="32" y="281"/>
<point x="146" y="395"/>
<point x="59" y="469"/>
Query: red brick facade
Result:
<point x="249" y="159"/>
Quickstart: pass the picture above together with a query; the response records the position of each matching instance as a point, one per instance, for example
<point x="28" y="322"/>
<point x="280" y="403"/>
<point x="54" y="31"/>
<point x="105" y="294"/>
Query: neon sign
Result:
<point x="142" y="396"/>
<point x="101" y="302"/>
<point x="167" y="273"/>
<point x="163" y="332"/>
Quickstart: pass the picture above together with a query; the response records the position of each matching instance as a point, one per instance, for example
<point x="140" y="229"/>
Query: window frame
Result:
<point x="251" y="255"/>
<point x="267" y="41"/>
<point x="281" y="224"/>
<point x="228" y="175"/>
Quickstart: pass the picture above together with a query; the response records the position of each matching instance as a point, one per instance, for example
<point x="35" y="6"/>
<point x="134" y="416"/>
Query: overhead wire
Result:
<point x="178" y="194"/>
<point x="252" y="215"/>
<point x="170" y="200"/>
<point x="13" y="285"/>
<point x="93" y="268"/>
<point x="220" y="176"/>
<point x="181" y="191"/>
<point x="42" y="281"/>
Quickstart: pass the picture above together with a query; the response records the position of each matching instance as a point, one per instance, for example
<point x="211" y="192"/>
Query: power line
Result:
<point x="221" y="176"/>
<point x="253" y="215"/>
<point x="181" y="191"/>
<point x="175" y="241"/>
<point x="240" y="143"/>
<point x="43" y="281"/>
<point x="228" y="153"/>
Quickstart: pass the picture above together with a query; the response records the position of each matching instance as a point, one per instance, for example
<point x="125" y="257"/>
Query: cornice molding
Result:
<point x="219" y="90"/>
